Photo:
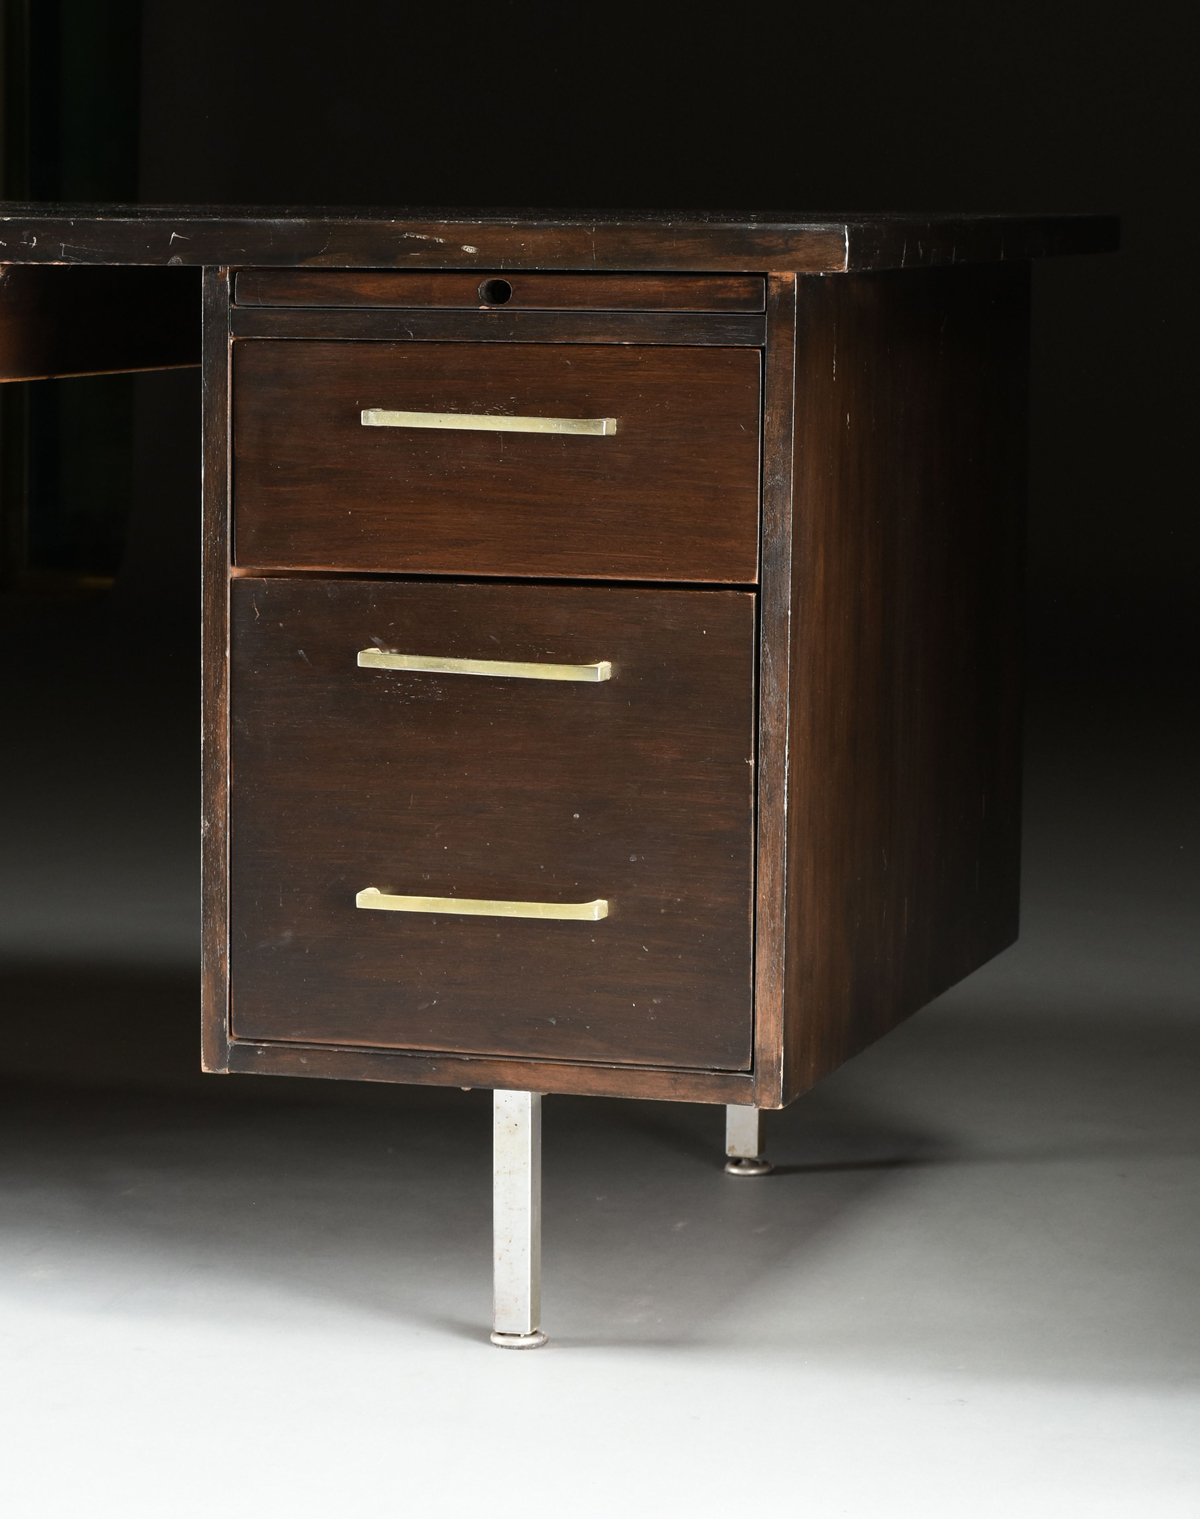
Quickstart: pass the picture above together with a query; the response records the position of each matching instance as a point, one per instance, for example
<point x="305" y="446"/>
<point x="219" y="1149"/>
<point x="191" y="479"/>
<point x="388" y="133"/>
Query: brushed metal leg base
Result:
<point x="518" y="1341"/>
<point x="756" y="1167"/>
<point x="517" y="1220"/>
<point x="743" y="1142"/>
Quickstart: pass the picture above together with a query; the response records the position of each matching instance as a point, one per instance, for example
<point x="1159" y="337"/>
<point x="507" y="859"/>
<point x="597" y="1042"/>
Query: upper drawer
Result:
<point x="665" y="486"/>
<point x="517" y="290"/>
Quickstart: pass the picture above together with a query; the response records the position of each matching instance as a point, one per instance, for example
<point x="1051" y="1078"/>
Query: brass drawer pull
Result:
<point x="465" y="421"/>
<point x="377" y="659"/>
<point x="472" y="907"/>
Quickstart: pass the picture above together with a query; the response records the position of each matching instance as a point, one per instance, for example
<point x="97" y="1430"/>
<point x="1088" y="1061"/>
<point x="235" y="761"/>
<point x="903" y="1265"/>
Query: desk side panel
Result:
<point x="904" y="729"/>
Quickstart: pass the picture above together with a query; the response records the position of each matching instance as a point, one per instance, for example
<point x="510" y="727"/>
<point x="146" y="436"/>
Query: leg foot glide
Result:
<point x="747" y="1167"/>
<point x="518" y="1341"/>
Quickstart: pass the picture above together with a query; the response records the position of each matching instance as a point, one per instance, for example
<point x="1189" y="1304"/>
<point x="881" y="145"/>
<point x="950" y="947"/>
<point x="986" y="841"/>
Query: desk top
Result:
<point x="375" y="237"/>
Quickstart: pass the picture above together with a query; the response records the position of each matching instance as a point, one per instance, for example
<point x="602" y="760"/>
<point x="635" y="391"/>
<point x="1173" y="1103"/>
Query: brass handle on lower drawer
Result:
<point x="431" y="664"/>
<point x="483" y="421"/>
<point x="474" y="907"/>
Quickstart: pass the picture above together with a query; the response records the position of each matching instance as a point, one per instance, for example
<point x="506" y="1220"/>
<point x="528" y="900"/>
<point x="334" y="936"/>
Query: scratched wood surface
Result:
<point x="374" y="237"/>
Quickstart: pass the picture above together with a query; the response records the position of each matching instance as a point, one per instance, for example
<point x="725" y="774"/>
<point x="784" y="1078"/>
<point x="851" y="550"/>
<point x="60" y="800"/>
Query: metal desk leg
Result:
<point x="743" y="1143"/>
<point x="517" y="1220"/>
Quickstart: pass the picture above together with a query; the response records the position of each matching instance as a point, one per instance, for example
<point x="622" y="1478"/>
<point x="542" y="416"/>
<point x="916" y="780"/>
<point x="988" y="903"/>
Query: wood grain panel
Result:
<point x="904" y="789"/>
<point x="672" y="496"/>
<point x="510" y="289"/>
<point x="638" y="790"/>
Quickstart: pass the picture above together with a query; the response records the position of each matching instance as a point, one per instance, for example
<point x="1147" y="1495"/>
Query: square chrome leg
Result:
<point x="517" y="1220"/>
<point x="743" y="1142"/>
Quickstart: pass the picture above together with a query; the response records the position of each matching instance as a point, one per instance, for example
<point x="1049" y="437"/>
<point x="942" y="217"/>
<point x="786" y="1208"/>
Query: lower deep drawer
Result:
<point x="633" y="790"/>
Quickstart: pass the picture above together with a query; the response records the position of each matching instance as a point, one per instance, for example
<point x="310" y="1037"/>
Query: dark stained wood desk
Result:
<point x="612" y="639"/>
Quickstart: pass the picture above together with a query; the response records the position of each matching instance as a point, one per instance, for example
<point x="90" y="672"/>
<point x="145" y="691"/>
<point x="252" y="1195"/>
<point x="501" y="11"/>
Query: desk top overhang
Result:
<point x="464" y="239"/>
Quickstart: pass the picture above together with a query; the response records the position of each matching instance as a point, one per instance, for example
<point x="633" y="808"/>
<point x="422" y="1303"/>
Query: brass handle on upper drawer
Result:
<point x="474" y="907"/>
<point x="466" y="421"/>
<point x="377" y="659"/>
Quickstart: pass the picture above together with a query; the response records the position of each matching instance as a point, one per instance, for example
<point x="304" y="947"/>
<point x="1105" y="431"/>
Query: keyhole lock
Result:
<point x="495" y="292"/>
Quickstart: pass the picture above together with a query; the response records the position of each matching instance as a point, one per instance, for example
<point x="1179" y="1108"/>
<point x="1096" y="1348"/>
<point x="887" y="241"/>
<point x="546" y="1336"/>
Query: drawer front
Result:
<point x="634" y="791"/>
<point x="669" y="490"/>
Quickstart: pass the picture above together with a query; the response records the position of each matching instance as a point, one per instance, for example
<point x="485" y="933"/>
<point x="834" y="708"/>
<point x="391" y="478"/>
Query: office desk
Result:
<point x="611" y="634"/>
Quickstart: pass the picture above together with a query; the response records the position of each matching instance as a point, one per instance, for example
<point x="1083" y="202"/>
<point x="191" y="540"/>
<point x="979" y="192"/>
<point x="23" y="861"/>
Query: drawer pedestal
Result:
<point x="785" y="817"/>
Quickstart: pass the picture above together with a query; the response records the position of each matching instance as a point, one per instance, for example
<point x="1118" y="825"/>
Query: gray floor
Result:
<point x="968" y="1289"/>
